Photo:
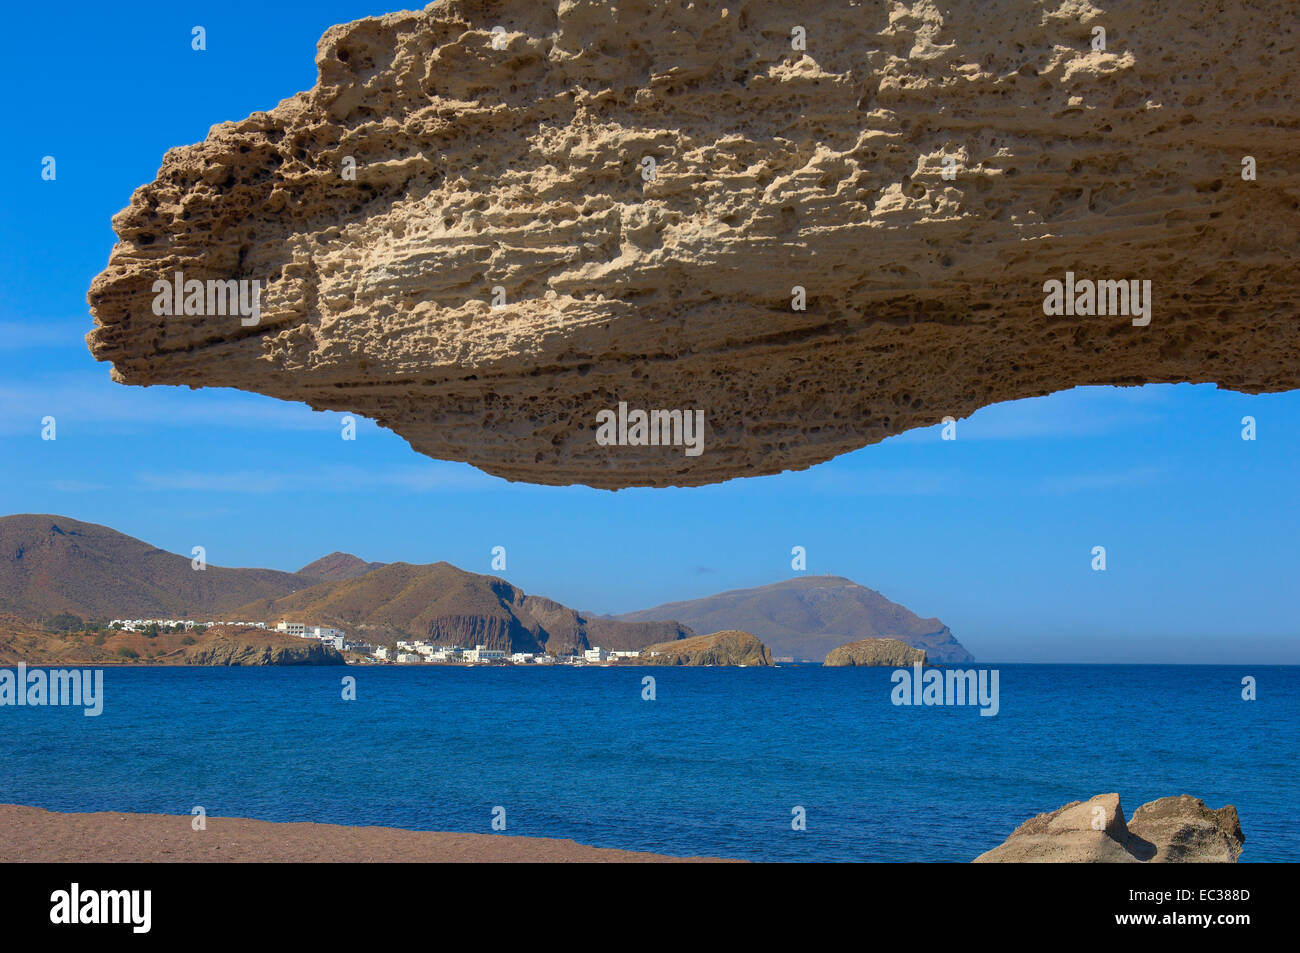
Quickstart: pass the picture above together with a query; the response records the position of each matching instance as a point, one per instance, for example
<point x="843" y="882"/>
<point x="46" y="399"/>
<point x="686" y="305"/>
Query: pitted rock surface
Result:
<point x="521" y="169"/>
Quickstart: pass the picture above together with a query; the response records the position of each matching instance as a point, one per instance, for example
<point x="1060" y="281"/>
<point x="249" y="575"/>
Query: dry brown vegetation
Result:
<point x="22" y="641"/>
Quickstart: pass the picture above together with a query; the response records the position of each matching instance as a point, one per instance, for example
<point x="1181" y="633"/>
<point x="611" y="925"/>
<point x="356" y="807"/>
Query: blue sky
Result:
<point x="992" y="532"/>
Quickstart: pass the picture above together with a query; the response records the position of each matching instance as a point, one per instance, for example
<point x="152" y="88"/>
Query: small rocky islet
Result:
<point x="875" y="652"/>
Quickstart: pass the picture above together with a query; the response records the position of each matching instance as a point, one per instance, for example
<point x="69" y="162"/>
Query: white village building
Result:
<point x="481" y="654"/>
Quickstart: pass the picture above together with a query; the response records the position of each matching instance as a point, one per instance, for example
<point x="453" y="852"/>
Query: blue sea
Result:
<point x="714" y="765"/>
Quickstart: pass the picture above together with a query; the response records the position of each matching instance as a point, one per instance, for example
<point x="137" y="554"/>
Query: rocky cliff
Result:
<point x="1169" y="830"/>
<point x="22" y="641"/>
<point x="720" y="648"/>
<point x="253" y="649"/>
<point x="818" y="224"/>
<point x="890" y="652"/>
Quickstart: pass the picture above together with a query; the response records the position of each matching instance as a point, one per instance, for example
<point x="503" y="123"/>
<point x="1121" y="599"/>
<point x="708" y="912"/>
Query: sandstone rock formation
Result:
<point x="439" y="169"/>
<point x="890" y="652"/>
<point x="1169" y="830"/>
<point x="719" y="648"/>
<point x="256" y="648"/>
<point x="1183" y="829"/>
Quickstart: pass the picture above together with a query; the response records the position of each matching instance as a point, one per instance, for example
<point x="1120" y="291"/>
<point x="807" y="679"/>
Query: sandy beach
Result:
<point x="37" y="835"/>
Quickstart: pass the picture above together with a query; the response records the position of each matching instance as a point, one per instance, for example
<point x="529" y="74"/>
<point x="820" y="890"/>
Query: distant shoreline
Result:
<point x="33" y="834"/>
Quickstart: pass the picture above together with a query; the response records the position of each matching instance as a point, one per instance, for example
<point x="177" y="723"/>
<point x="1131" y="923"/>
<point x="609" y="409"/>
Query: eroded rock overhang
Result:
<point x="456" y="233"/>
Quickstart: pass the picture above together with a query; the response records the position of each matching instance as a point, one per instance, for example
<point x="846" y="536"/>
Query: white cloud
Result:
<point x="1080" y="412"/>
<point x="81" y="399"/>
<point x="339" y="479"/>
<point x="895" y="482"/>
<point x="77" y="486"/>
<point x="1102" y="480"/>
<point x="36" y="335"/>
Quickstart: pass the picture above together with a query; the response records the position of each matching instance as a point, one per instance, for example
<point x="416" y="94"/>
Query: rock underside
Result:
<point x="890" y="652"/>
<point x="1169" y="830"/>
<point x="516" y="175"/>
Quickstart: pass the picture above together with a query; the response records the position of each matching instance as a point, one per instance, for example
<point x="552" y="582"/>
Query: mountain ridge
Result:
<point x="443" y="604"/>
<point x="52" y="565"/>
<point x="806" y="617"/>
<point x="338" y="566"/>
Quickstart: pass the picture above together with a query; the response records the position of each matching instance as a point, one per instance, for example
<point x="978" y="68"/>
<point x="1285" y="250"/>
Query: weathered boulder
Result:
<point x="457" y="233"/>
<point x="890" y="652"/>
<point x="721" y="648"/>
<point x="1169" y="830"/>
<point x="1183" y="829"/>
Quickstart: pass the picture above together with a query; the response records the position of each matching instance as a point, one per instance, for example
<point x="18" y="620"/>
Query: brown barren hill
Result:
<point x="807" y="616"/>
<point x="831" y="245"/>
<point x="53" y="564"/>
<point x="22" y="641"/>
<point x="443" y="604"/>
<point x="34" y="835"/>
<point x="337" y="566"/>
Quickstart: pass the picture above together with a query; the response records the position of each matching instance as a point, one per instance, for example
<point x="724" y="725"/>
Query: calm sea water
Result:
<point x="713" y="766"/>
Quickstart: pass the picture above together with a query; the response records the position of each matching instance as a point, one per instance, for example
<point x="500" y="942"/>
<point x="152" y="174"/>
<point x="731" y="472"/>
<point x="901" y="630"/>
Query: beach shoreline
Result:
<point x="35" y="835"/>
